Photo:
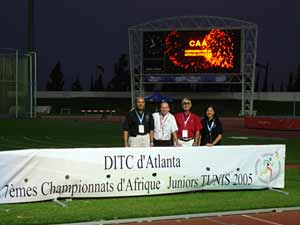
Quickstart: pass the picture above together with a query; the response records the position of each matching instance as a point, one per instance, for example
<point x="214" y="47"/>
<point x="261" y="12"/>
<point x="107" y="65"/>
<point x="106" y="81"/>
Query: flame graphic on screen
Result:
<point x="214" y="50"/>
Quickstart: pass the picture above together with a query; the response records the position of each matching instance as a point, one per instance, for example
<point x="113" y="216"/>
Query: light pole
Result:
<point x="30" y="25"/>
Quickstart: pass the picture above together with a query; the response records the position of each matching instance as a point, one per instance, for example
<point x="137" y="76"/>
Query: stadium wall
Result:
<point x="260" y="96"/>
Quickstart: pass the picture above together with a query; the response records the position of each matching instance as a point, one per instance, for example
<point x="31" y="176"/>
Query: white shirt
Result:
<point x="164" y="126"/>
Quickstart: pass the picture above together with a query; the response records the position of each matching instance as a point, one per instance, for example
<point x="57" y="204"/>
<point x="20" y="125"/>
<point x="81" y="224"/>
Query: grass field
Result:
<point x="67" y="134"/>
<point x="21" y="134"/>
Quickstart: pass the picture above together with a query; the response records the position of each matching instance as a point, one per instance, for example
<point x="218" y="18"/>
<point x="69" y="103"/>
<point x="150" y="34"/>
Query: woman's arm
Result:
<point x="218" y="139"/>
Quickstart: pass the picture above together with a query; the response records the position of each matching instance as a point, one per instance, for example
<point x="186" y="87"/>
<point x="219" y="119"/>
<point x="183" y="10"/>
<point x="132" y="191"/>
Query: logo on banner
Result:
<point x="268" y="167"/>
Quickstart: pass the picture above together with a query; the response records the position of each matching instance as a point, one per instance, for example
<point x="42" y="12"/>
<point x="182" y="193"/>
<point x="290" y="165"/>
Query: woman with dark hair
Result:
<point x="212" y="131"/>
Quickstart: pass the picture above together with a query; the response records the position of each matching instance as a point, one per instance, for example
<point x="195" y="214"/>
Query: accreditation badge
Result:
<point x="185" y="133"/>
<point x="141" y="129"/>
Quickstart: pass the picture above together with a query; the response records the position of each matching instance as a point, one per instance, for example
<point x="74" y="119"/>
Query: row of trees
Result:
<point x="121" y="81"/>
<point x="293" y="83"/>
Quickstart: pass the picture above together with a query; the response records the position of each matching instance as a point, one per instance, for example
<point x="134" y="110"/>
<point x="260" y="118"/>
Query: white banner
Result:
<point x="43" y="174"/>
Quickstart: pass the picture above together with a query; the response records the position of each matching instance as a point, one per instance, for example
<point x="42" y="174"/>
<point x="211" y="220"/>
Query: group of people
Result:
<point x="143" y="129"/>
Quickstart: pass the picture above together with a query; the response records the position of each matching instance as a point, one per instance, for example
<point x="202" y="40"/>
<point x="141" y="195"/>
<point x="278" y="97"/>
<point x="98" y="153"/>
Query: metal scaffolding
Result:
<point x="246" y="77"/>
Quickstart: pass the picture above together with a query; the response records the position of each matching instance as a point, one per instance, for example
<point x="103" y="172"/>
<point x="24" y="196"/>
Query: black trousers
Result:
<point x="162" y="143"/>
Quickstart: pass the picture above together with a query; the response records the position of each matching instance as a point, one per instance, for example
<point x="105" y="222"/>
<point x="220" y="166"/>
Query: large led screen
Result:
<point x="205" y="51"/>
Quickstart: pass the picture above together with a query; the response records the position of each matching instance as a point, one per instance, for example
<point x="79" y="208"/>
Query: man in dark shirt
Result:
<point x="138" y="126"/>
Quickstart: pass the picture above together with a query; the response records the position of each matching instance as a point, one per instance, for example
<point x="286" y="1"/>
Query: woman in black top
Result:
<point x="212" y="131"/>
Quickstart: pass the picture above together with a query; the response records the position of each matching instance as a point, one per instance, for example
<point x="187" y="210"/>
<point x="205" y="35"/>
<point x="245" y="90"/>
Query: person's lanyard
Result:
<point x="210" y="127"/>
<point x="187" y="120"/>
<point x="163" y="120"/>
<point x="140" y="118"/>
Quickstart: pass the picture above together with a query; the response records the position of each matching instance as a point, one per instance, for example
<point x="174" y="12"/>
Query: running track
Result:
<point x="281" y="218"/>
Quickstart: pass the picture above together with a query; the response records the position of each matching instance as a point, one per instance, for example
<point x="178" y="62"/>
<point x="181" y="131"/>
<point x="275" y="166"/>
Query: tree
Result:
<point x="121" y="80"/>
<point x="297" y="80"/>
<point x="92" y="86"/>
<point x="265" y="85"/>
<point x="76" y="85"/>
<point x="282" y="88"/>
<point x="273" y="87"/>
<point x="98" y="85"/>
<point x="260" y="68"/>
<point x="56" y="81"/>
<point x="290" y="86"/>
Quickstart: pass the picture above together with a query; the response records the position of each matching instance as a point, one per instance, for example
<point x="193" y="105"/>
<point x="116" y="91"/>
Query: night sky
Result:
<point x="82" y="33"/>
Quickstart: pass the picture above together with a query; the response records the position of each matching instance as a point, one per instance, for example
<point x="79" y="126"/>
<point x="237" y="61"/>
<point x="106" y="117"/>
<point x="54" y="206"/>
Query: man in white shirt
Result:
<point x="165" y="127"/>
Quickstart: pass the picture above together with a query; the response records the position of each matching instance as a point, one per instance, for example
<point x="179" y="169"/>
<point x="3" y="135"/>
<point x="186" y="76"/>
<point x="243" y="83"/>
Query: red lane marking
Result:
<point x="293" y="166"/>
<point x="286" y="218"/>
<point x="239" y="220"/>
<point x="281" y="218"/>
<point x="261" y="220"/>
<point x="193" y="221"/>
<point x="236" y="125"/>
<point x="217" y="221"/>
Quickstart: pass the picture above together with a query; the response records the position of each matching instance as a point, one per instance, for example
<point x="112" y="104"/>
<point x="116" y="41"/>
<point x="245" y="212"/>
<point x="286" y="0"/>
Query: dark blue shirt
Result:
<point x="131" y="124"/>
<point x="209" y="136"/>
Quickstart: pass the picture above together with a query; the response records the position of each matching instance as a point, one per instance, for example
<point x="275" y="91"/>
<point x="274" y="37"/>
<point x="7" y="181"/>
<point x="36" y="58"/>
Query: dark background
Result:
<point x="82" y="34"/>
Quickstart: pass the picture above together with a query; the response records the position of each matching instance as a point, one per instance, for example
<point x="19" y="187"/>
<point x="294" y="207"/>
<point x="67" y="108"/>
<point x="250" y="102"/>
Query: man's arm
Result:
<point x="175" y="138"/>
<point x="151" y="130"/>
<point x="125" y="136"/>
<point x="196" y="139"/>
<point x="199" y="141"/>
<point x="125" y="130"/>
<point x="199" y="127"/>
<point x="151" y="137"/>
<point x="174" y="132"/>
